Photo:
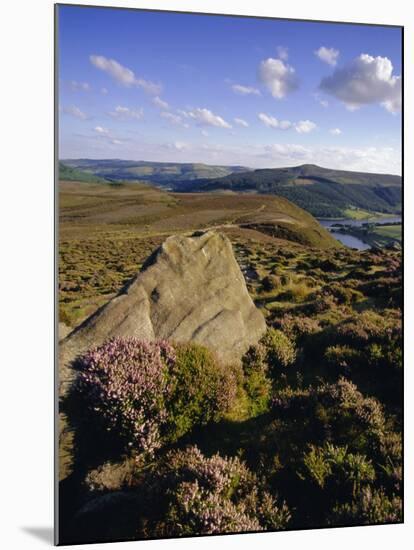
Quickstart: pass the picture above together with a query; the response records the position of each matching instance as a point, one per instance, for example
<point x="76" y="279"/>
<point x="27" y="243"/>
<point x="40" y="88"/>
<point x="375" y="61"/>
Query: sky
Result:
<point x="228" y="90"/>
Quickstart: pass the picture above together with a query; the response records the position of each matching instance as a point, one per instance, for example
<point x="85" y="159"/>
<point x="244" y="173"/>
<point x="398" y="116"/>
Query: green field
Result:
<point x="389" y="231"/>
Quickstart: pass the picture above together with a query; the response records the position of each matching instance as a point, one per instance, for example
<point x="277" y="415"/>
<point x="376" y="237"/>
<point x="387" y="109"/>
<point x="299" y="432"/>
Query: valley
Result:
<point x="325" y="193"/>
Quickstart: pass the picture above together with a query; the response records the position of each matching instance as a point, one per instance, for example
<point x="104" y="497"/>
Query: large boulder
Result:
<point x="190" y="289"/>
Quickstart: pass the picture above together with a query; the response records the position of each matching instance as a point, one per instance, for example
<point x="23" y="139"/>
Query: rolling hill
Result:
<point x="321" y="191"/>
<point x="68" y="173"/>
<point x="149" y="212"/>
<point x="159" y="173"/>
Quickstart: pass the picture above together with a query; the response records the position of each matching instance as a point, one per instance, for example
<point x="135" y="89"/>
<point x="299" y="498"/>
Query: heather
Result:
<point x="214" y="495"/>
<point x="124" y="384"/>
<point x="145" y="394"/>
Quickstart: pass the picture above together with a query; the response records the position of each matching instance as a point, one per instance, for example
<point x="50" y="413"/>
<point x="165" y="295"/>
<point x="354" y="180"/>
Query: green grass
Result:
<point x="357" y="214"/>
<point x="72" y="174"/>
<point x="390" y="231"/>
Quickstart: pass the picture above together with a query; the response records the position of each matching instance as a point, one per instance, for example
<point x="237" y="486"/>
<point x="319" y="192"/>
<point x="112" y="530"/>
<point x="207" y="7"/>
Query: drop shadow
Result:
<point x="44" y="534"/>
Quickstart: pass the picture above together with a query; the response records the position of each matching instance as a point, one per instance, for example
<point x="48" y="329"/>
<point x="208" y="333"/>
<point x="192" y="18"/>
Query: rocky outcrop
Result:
<point x="190" y="289"/>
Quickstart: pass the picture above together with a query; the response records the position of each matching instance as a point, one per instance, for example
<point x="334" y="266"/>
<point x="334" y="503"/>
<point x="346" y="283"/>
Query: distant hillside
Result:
<point x="161" y="173"/>
<point x="321" y="191"/>
<point x="152" y="211"/>
<point x="66" y="173"/>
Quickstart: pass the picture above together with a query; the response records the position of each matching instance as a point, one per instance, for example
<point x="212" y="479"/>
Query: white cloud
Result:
<point x="335" y="131"/>
<point x="245" y="90"/>
<point x="327" y="55"/>
<point x="305" y="126"/>
<point x="116" y="142"/>
<point x="302" y="127"/>
<point x="177" y="120"/>
<point x="270" y="121"/>
<point x="279" y="77"/>
<point x="385" y="160"/>
<point x="241" y="122"/>
<point x="205" y="117"/>
<point x="123" y="75"/>
<point x="365" y="80"/>
<point x="125" y="113"/>
<point x="282" y="52"/>
<point x="160" y="103"/>
<point x="104" y="91"/>
<point x="204" y="133"/>
<point x="101" y="130"/>
<point x="74" y="111"/>
<point x="79" y="86"/>
<point x="180" y="145"/>
<point x="177" y="146"/>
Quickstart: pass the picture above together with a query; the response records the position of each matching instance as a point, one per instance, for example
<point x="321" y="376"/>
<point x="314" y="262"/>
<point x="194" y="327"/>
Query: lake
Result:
<point x="350" y="240"/>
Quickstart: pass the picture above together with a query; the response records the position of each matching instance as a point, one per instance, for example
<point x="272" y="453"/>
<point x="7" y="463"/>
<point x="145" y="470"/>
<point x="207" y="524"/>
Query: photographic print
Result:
<point x="229" y="248"/>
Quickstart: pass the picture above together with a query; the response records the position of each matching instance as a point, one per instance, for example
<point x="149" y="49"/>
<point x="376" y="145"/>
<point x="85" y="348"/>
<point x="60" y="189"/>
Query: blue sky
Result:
<point x="226" y="90"/>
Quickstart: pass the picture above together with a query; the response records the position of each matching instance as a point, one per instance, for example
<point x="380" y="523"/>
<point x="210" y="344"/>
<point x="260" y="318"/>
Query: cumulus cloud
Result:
<point x="245" y="90"/>
<point x="305" y="126"/>
<point x="74" y="111"/>
<point x="302" y="127"/>
<point x="123" y="75"/>
<point x="363" y="81"/>
<point x="282" y="52"/>
<point x="76" y="86"/>
<point x="101" y="130"/>
<point x="205" y="117"/>
<point x="241" y="122"/>
<point x="327" y="55"/>
<point x="336" y="131"/>
<point x="272" y="122"/>
<point x="177" y="120"/>
<point x="160" y="103"/>
<point x="104" y="91"/>
<point x="125" y="113"/>
<point x="180" y="145"/>
<point x="279" y="77"/>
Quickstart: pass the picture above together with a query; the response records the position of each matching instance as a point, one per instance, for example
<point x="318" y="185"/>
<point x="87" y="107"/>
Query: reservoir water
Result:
<point x="350" y="240"/>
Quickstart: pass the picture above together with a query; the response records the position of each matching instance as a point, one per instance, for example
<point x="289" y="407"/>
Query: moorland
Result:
<point x="305" y="431"/>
